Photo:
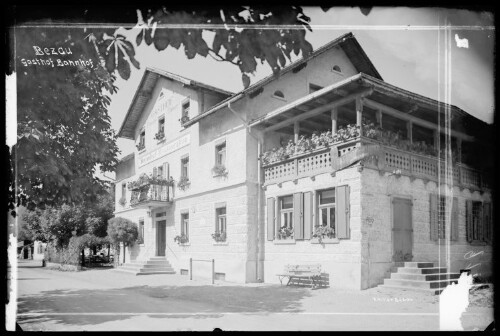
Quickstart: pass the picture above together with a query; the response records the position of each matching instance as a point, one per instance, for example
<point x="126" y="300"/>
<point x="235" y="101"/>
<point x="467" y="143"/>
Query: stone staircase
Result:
<point x="155" y="265"/>
<point x="420" y="276"/>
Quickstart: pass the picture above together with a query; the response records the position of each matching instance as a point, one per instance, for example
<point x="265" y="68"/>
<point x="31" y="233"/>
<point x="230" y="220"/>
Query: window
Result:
<point x="40" y="248"/>
<point x="185" y="109"/>
<point x="326" y="208"/>
<point x="478" y="221"/>
<point x="336" y="68"/>
<point x="286" y="212"/>
<point x="141" y="231"/>
<point x="185" y="168"/>
<point x="220" y="154"/>
<point x="279" y="94"/>
<point x="220" y="225"/>
<point x="161" y="214"/>
<point x="124" y="190"/>
<point x="314" y="88"/>
<point x="142" y="140"/>
<point x="159" y="171"/>
<point x="185" y="225"/>
<point x="161" y="126"/>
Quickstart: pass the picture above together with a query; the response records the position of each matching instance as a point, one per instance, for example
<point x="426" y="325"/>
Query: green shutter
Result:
<point x="342" y="212"/>
<point x="308" y="214"/>
<point x="298" y="210"/>
<point x="270" y="218"/>
<point x="454" y="219"/>
<point x="468" y="220"/>
<point x="433" y="207"/>
<point x="487" y="222"/>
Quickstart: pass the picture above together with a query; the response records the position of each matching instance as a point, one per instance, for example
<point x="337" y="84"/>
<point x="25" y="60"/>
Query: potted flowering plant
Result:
<point x="140" y="146"/>
<point x="183" y="183"/>
<point x="184" y="119"/>
<point x="122" y="201"/>
<point x="322" y="231"/>
<point x="219" y="170"/>
<point x="285" y="232"/>
<point x="219" y="236"/>
<point x="181" y="239"/>
<point x="160" y="135"/>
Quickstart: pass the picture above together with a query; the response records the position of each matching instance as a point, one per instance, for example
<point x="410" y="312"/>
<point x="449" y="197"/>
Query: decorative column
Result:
<point x="334" y="116"/>
<point x="359" y="114"/>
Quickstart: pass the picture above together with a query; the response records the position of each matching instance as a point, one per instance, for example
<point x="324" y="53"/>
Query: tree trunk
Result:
<point x="83" y="257"/>
<point x="124" y="246"/>
<point x="109" y="247"/>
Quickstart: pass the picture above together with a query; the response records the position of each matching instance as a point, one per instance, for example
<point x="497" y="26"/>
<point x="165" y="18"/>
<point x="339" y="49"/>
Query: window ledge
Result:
<point x="219" y="175"/>
<point x="221" y="243"/>
<point x="185" y="244"/>
<point x="284" y="241"/>
<point x="142" y="150"/>
<point x="160" y="141"/>
<point x="325" y="241"/>
<point x="337" y="72"/>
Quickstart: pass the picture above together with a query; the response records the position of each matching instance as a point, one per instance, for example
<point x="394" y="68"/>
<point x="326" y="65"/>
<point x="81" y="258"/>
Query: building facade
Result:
<point x="325" y="164"/>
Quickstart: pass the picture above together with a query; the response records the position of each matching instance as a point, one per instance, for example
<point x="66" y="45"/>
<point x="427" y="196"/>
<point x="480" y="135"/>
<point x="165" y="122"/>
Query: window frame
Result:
<point x="185" y="167"/>
<point x="161" y="124"/>
<point x="330" y="208"/>
<point x="185" y="224"/>
<point x="220" y="159"/>
<point x="479" y="226"/>
<point x="184" y="110"/>
<point x="142" y="138"/>
<point x="286" y="212"/>
<point x="221" y="218"/>
<point x="441" y="217"/>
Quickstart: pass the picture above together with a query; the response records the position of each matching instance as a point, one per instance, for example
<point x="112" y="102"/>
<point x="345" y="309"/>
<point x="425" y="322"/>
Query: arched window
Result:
<point x="336" y="68"/>
<point x="279" y="94"/>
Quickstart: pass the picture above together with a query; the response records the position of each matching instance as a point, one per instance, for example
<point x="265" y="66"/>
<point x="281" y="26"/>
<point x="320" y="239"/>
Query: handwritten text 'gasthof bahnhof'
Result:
<point x="53" y="62"/>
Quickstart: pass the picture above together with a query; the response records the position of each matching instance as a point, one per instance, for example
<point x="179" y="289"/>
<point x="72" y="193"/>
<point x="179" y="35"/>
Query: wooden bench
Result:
<point x="295" y="272"/>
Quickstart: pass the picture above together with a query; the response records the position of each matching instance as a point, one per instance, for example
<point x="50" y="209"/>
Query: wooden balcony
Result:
<point x="383" y="158"/>
<point x="150" y="196"/>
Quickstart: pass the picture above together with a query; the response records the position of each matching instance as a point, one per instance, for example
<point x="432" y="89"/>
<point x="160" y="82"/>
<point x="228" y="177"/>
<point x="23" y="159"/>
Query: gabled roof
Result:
<point x="143" y="94"/>
<point x="346" y="42"/>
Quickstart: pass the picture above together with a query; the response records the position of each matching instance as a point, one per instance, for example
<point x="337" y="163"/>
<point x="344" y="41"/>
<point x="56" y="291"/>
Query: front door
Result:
<point x="161" y="237"/>
<point x="402" y="230"/>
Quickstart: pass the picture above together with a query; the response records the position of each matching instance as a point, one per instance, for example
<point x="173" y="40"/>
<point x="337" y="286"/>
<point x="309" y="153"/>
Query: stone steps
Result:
<point x="155" y="265"/>
<point x="419" y="276"/>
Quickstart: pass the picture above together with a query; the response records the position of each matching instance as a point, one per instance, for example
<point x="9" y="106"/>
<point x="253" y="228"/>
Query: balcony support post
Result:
<point x="379" y="118"/>
<point x="334" y="116"/>
<point x="296" y="131"/>
<point x="459" y="150"/>
<point x="409" y="130"/>
<point x="359" y="113"/>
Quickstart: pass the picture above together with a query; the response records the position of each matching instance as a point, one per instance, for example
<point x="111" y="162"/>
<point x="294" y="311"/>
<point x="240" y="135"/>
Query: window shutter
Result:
<point x="166" y="173"/>
<point x="308" y="218"/>
<point x="433" y="206"/>
<point x="468" y="220"/>
<point x="342" y="214"/>
<point x="488" y="228"/>
<point x="155" y="171"/>
<point x="454" y="219"/>
<point x="270" y="218"/>
<point x="298" y="219"/>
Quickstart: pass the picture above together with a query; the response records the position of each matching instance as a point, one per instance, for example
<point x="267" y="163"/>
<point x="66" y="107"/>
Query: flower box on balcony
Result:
<point x="140" y="147"/>
<point x="159" y="136"/>
<point x="145" y="180"/>
<point x="219" y="170"/>
<point x="184" y="119"/>
<point x="183" y="183"/>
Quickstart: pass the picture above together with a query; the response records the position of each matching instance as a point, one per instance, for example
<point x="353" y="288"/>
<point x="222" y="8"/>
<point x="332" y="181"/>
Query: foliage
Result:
<point x="64" y="130"/>
<point x="122" y="230"/>
<point x="140" y="146"/>
<point x="322" y="231"/>
<point x="183" y="183"/>
<point x="306" y="144"/>
<point x="160" y="135"/>
<point x="145" y="180"/>
<point x="219" y="170"/>
<point x="285" y="232"/>
<point x="219" y="236"/>
<point x="181" y="239"/>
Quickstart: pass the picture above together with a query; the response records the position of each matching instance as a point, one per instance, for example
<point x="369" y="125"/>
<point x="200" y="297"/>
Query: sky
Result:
<point x="405" y="45"/>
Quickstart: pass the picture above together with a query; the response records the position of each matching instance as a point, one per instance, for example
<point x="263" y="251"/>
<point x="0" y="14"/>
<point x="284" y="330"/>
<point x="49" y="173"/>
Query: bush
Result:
<point x="122" y="230"/>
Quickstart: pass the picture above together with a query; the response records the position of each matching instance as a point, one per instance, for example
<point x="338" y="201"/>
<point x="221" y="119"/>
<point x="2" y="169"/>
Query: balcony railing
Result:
<point x="388" y="158"/>
<point x="150" y="195"/>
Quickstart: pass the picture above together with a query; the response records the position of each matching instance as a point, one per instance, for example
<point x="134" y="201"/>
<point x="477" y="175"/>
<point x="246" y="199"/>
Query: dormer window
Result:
<point x="336" y="68"/>
<point x="279" y="94"/>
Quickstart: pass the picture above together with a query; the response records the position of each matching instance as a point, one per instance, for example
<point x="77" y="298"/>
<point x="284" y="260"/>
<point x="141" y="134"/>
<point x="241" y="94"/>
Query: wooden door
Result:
<point x="161" y="237"/>
<point x="402" y="229"/>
